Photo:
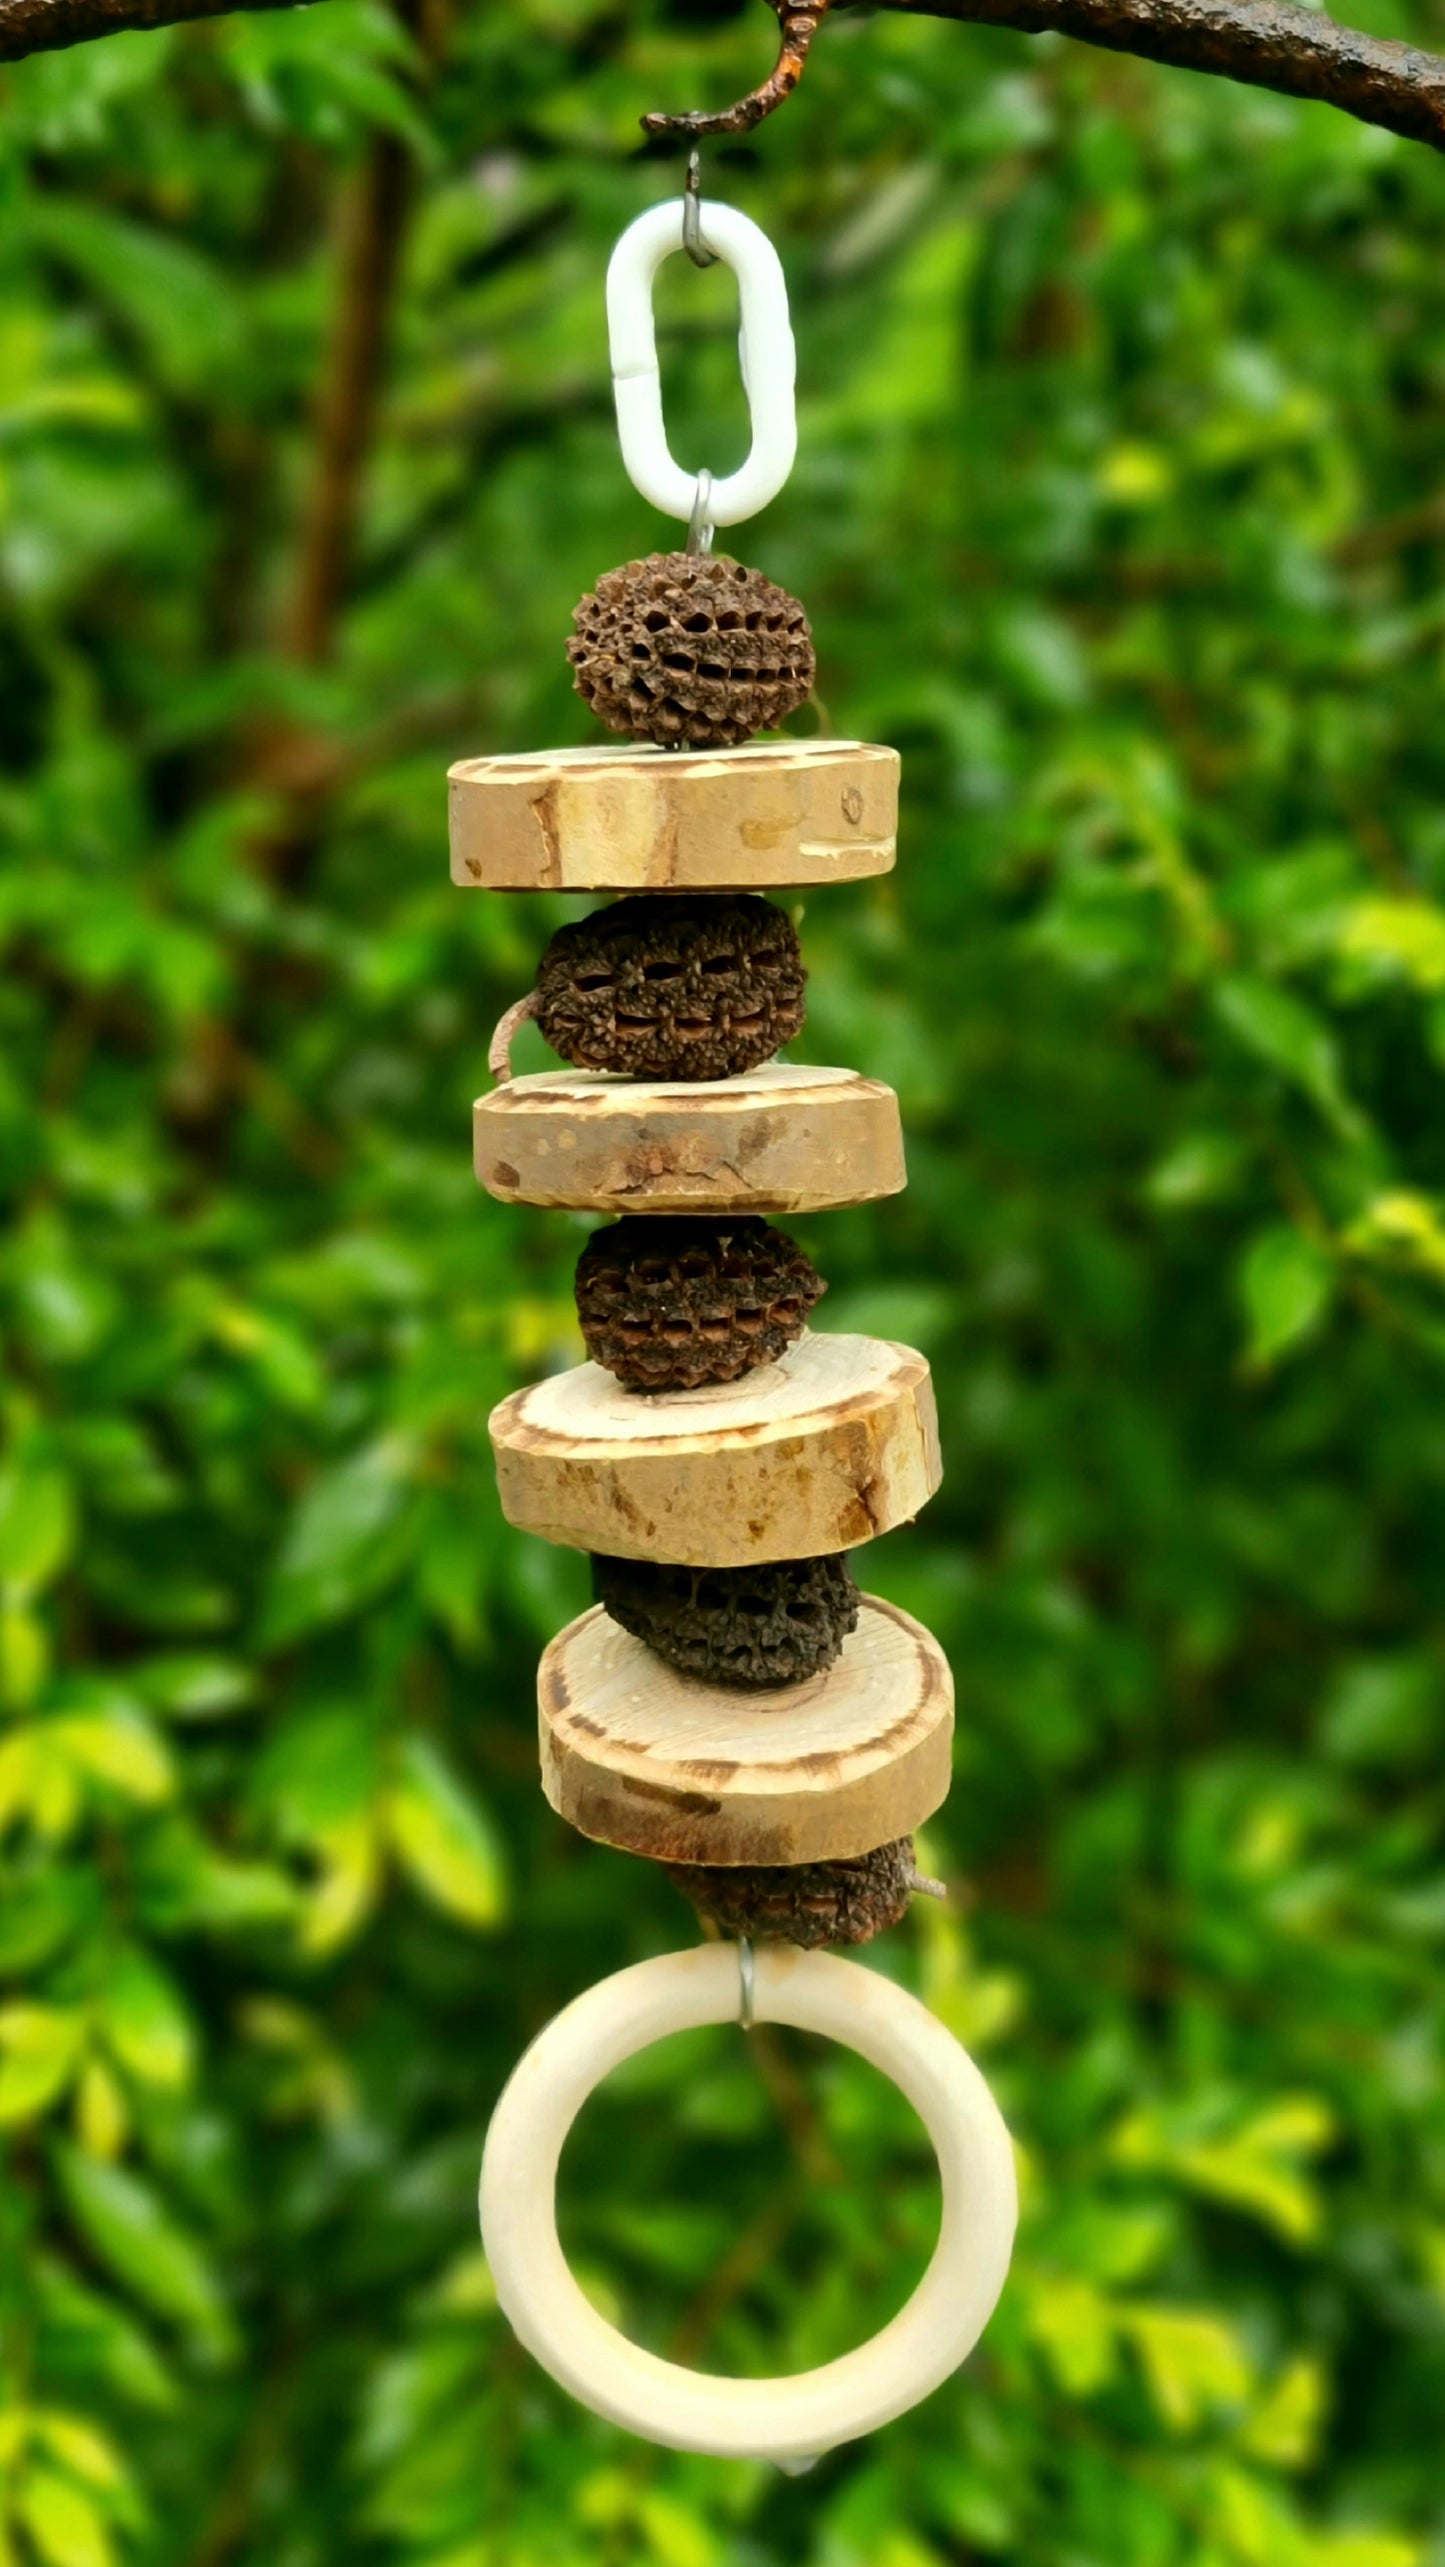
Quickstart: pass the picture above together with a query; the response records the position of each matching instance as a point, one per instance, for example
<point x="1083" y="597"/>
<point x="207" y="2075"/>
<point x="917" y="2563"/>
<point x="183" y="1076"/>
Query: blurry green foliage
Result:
<point x="1119" y="510"/>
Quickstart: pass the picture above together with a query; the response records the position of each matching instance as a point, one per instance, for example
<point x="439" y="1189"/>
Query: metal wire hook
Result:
<point x="747" y="1976"/>
<point x="692" y="239"/>
<point x="700" y="528"/>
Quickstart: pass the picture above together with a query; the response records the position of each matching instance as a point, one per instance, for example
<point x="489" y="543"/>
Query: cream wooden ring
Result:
<point x="786" y="2420"/>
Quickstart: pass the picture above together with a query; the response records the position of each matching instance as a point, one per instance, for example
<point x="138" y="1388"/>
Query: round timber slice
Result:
<point x="835" y="1442"/>
<point x="768" y="815"/>
<point x="658" y="1764"/>
<point x="778" y="1139"/>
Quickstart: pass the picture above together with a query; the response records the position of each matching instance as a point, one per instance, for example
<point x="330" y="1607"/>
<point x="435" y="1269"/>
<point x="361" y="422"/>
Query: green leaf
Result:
<point x="64" y="2524"/>
<point x="65" y="1308"/>
<point x="1258" y="2167"/>
<point x="676" y="2535"/>
<point x="332" y="89"/>
<point x="466" y="2288"/>
<point x="144" y="2022"/>
<point x="156" y="283"/>
<point x="1285" y="2427"/>
<point x="42" y="2048"/>
<point x="1383" y="1711"/>
<point x="1286" y="1034"/>
<point x="84" y="2451"/>
<point x="195" y="1687"/>
<point x="1200" y="1168"/>
<point x="323" y="1771"/>
<point x="102" y="2122"/>
<point x="346" y="1542"/>
<point x="137" y="2240"/>
<point x="183" y="1881"/>
<point x="1287" y="1283"/>
<point x="24" y="1656"/>
<point x="451" y="1569"/>
<point x="37" y="1527"/>
<point x="445" y="1839"/>
<point x="116" y="1745"/>
<point x="285" y="1360"/>
<point x="1193" y="2361"/>
<point x="41" y="1908"/>
<point x="84" y="2339"/>
<point x="20" y="1759"/>
<point x="1407" y="936"/>
<point x="59" y="105"/>
<point x="1249" y="2519"/>
<point x="1075" y="2326"/>
<point x="1402" y="1229"/>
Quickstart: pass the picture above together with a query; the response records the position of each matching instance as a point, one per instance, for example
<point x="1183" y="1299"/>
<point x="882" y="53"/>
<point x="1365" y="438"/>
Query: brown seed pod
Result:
<point x="751" y="1628"/>
<point x="673" y="986"/>
<point x="809" y="1904"/>
<point x="670" y="1303"/>
<point x="691" y="651"/>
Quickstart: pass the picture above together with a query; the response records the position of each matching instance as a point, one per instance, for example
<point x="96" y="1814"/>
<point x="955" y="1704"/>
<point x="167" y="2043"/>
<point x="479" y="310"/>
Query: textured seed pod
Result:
<point x="667" y="1304"/>
<point x="805" y="1903"/>
<point x="752" y="1628"/>
<point x="691" y="651"/>
<point x="670" y="986"/>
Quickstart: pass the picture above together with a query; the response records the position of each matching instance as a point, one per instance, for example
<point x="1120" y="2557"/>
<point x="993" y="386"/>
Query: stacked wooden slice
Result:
<point x="731" y="1706"/>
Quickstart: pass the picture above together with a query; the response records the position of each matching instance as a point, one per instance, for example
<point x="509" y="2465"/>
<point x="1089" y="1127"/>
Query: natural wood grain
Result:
<point x="792" y="2420"/>
<point x="659" y="1764"/>
<point x="778" y="1139"/>
<point x="644" y="819"/>
<point x="835" y="1442"/>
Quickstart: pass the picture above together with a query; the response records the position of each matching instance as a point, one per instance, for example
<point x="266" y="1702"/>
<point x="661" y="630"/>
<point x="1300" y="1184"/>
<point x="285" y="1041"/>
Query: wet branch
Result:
<point x="46" y="26"/>
<point x="1268" y="44"/>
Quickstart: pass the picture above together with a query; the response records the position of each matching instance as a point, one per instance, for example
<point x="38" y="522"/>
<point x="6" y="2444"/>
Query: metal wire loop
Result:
<point x="692" y="239"/>
<point x="748" y="1980"/>
<point x="700" y="528"/>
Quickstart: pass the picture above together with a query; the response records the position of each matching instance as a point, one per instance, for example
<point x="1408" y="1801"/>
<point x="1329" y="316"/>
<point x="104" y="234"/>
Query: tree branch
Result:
<point x="1269" y="44"/>
<point x="799" y="21"/>
<point x="45" y="26"/>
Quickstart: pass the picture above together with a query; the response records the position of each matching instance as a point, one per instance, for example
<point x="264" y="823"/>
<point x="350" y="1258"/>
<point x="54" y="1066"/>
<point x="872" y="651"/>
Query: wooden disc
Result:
<point x="644" y="819"/>
<point x="835" y="1442"/>
<point x="777" y="1139"/>
<point x="658" y="1764"/>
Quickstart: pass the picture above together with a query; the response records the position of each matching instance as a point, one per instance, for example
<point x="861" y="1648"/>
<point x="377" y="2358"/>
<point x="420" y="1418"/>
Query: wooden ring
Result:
<point x="785" y="2420"/>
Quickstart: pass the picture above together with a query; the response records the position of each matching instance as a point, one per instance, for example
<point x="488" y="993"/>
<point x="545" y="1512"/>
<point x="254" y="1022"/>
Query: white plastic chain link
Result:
<point x="766" y="350"/>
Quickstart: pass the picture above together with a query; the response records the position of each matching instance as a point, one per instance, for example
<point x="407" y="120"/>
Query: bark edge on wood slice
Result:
<point x="776" y="1139"/>
<point x="836" y="1442"/>
<point x="768" y="816"/>
<point x="657" y="1764"/>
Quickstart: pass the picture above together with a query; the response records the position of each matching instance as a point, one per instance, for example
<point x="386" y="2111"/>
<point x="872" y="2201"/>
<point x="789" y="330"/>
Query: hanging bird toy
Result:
<point x="732" y="1707"/>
